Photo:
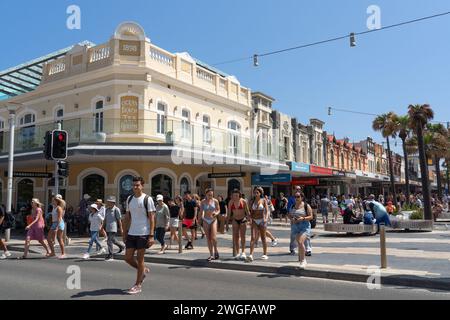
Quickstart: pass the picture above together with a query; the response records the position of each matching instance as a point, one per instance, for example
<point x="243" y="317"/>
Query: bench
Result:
<point x="350" y="228"/>
<point x="420" y="225"/>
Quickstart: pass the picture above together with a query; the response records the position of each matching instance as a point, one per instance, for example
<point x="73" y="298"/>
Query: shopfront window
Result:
<point x="125" y="189"/>
<point x="184" y="186"/>
<point x="94" y="186"/>
<point x="162" y="184"/>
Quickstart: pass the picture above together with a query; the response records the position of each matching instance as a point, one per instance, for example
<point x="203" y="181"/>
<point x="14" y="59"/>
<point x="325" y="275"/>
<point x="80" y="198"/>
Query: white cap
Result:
<point x="94" y="206"/>
<point x="159" y="197"/>
<point x="86" y="197"/>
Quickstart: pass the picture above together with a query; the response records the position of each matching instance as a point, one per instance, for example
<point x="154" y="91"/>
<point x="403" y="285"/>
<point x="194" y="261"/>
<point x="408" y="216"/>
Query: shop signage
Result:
<point x="306" y="181"/>
<point x="258" y="179"/>
<point x="226" y="175"/>
<point x="18" y="174"/>
<point x="350" y="175"/>
<point x="129" y="114"/>
<point x="320" y="170"/>
<point x="364" y="185"/>
<point x="300" y="167"/>
<point x="129" y="48"/>
<point x="338" y="173"/>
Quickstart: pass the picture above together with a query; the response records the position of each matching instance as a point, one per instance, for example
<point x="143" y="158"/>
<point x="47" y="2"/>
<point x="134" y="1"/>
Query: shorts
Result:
<point x="174" y="222"/>
<point x="137" y="242"/>
<point x="325" y="214"/>
<point x="301" y="228"/>
<point x="58" y="226"/>
<point x="189" y="223"/>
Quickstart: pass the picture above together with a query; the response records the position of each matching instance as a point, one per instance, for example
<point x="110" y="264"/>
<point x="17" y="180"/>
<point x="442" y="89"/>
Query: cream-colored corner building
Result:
<point x="132" y="108"/>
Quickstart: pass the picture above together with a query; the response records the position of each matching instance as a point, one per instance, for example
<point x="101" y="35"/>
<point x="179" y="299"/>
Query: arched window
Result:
<point x="186" y="123"/>
<point x="25" y="191"/>
<point x="351" y="163"/>
<point x="206" y="129"/>
<point x="332" y="158"/>
<point x="162" y="184"/>
<point x="94" y="186"/>
<point x="342" y="161"/>
<point x="161" y="118"/>
<point x="27" y="119"/>
<point x="98" y="123"/>
<point x="184" y="185"/>
<point x="233" y="184"/>
<point x="125" y="189"/>
<point x="234" y="130"/>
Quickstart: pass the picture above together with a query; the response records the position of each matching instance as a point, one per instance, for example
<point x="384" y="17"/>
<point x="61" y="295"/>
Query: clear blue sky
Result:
<point x="388" y="70"/>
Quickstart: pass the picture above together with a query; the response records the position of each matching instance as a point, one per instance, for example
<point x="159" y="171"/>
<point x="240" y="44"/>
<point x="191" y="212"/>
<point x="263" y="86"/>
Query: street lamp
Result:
<point x="12" y="108"/>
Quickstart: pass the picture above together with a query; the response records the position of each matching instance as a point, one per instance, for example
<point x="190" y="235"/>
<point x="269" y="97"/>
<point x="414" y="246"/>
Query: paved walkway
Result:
<point x="423" y="255"/>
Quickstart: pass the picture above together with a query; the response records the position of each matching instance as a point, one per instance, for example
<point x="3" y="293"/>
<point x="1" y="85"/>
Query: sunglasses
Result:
<point x="298" y="197"/>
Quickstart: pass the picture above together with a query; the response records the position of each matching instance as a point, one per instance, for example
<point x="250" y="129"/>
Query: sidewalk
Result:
<point x="418" y="259"/>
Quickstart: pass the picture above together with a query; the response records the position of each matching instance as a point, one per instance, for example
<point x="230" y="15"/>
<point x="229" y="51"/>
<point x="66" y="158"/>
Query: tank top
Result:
<point x="174" y="211"/>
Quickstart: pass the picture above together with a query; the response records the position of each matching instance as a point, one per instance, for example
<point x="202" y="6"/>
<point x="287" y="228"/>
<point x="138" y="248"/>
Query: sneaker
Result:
<point x="86" y="256"/>
<point x="243" y="256"/>
<point x="102" y="251"/>
<point x="293" y="253"/>
<point x="308" y="253"/>
<point x="274" y="243"/>
<point x="135" y="290"/>
<point x="249" y="258"/>
<point x="109" y="258"/>
<point x="237" y="257"/>
<point x="303" y="265"/>
<point x="264" y="257"/>
<point x="3" y="256"/>
<point x="7" y="254"/>
<point x="62" y="257"/>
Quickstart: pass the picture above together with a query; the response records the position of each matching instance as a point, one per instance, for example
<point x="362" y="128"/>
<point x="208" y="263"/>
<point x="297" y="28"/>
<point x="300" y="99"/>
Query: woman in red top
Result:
<point x="390" y="208"/>
<point x="35" y="228"/>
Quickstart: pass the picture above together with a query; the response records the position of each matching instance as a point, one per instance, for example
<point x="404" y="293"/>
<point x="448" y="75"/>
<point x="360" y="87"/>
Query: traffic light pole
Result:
<point x="58" y="127"/>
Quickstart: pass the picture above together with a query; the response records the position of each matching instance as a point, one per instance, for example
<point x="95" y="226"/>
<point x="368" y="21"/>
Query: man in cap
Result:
<point x="112" y="224"/>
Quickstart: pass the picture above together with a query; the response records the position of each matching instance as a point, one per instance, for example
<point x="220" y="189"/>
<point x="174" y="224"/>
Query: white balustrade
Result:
<point x="205" y="75"/>
<point x="161" y="57"/>
<point x="99" y="53"/>
<point x="57" y="66"/>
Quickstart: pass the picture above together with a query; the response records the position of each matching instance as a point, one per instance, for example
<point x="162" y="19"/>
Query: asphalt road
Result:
<point x="41" y="279"/>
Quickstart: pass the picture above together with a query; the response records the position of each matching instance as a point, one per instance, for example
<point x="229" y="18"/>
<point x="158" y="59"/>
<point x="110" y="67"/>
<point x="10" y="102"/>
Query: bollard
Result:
<point x="7" y="235"/>
<point x="383" y="246"/>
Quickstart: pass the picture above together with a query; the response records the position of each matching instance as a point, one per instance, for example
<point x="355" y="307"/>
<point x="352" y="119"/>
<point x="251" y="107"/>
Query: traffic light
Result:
<point x="48" y="145"/>
<point x="352" y="40"/>
<point x="60" y="143"/>
<point x="63" y="168"/>
<point x="255" y="60"/>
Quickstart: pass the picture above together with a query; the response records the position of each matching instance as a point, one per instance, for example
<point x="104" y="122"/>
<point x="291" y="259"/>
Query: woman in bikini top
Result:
<point x="239" y="214"/>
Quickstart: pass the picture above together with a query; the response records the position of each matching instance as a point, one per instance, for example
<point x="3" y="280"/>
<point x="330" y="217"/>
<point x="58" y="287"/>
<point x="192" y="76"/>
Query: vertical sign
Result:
<point x="129" y="108"/>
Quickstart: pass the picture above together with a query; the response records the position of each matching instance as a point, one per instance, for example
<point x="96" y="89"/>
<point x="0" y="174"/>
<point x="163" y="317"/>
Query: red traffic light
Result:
<point x="61" y="137"/>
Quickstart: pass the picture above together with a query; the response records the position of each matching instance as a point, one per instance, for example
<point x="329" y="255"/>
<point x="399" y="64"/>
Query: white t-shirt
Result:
<point x="140" y="225"/>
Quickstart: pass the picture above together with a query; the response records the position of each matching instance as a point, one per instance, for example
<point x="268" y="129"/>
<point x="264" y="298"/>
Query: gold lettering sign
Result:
<point x="130" y="48"/>
<point x="129" y="114"/>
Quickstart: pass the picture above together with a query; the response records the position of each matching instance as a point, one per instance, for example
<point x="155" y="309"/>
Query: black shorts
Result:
<point x="137" y="242"/>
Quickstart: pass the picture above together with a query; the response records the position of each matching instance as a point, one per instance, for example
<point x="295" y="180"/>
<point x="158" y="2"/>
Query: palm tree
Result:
<point x="438" y="148"/>
<point x="437" y="145"/>
<point x="419" y="116"/>
<point x="403" y="131"/>
<point x="386" y="125"/>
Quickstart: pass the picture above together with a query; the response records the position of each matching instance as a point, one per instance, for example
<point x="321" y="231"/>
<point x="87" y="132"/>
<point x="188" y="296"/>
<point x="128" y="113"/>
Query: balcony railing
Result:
<point x="183" y="135"/>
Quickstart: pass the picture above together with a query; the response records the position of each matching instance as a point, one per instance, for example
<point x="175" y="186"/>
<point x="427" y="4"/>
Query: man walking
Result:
<point x="112" y="224"/>
<point x="139" y="231"/>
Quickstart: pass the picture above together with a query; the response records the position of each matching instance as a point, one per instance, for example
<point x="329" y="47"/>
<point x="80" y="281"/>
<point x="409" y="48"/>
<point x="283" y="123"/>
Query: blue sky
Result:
<point x="388" y="70"/>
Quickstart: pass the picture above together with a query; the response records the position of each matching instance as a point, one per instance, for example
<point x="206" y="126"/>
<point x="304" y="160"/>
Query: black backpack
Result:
<point x="313" y="222"/>
<point x="8" y="221"/>
<point x="145" y="202"/>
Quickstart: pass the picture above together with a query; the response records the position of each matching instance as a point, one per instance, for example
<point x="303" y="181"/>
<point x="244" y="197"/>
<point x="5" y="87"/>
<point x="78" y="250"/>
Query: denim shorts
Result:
<point x="301" y="228"/>
<point x="58" y="226"/>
